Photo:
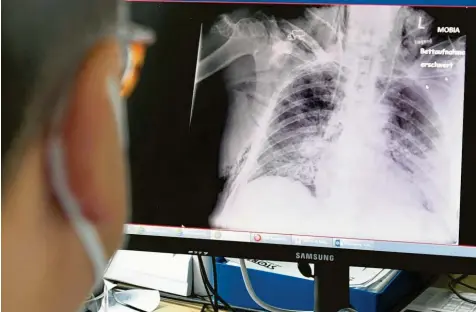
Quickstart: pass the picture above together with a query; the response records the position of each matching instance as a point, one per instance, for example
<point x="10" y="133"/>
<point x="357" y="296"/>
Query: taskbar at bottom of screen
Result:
<point x="300" y="240"/>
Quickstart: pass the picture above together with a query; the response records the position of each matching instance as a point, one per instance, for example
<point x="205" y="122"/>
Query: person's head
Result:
<point x="62" y="66"/>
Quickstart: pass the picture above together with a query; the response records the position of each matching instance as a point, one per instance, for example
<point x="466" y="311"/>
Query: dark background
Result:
<point x="174" y="165"/>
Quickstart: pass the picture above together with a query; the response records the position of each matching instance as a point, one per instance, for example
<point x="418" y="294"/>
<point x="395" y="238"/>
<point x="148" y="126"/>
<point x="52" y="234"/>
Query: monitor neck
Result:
<point x="331" y="285"/>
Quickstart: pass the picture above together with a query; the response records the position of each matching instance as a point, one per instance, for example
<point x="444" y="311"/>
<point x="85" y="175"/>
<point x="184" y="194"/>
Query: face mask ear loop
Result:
<point x="86" y="232"/>
<point x="68" y="202"/>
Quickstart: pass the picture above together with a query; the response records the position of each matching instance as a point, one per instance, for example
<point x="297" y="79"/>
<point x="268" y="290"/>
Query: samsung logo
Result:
<point x="314" y="257"/>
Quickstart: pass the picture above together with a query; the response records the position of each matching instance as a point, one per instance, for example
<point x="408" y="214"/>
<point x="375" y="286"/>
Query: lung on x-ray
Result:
<point x="346" y="122"/>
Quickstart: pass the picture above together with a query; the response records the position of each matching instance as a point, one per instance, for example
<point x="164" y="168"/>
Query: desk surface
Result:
<point x="169" y="306"/>
<point x="175" y="306"/>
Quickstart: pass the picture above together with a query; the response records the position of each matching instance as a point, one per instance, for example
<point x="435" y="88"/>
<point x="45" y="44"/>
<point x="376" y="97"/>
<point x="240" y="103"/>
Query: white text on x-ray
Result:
<point x="447" y="30"/>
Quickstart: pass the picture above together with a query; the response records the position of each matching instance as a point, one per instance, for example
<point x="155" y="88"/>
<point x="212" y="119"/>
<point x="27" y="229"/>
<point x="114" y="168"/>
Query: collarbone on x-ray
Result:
<point x="342" y="124"/>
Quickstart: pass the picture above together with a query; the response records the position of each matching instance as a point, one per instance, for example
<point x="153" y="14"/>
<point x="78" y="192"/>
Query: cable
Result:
<point x="257" y="300"/>
<point x="177" y="298"/>
<point x="209" y="295"/>
<point x="92" y="298"/>
<point x="459" y="281"/>
<point x="215" y="278"/>
<point x="207" y="288"/>
<point x="251" y="292"/>
<point x="210" y="287"/>
<point x="213" y="302"/>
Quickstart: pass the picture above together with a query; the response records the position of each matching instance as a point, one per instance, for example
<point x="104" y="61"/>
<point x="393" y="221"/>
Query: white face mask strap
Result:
<point x="125" y="31"/>
<point x="84" y="229"/>
<point x="68" y="202"/>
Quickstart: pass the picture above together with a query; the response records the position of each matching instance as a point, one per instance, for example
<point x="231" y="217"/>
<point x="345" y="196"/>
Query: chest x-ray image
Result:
<point x="344" y="122"/>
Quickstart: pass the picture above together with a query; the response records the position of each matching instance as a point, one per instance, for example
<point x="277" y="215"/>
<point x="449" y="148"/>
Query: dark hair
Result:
<point x="43" y="44"/>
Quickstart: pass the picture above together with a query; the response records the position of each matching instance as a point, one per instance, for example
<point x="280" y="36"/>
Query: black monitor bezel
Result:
<point x="346" y="257"/>
<point x="363" y="258"/>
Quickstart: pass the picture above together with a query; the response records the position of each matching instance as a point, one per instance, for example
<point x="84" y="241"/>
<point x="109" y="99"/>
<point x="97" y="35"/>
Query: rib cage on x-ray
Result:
<point x="338" y="102"/>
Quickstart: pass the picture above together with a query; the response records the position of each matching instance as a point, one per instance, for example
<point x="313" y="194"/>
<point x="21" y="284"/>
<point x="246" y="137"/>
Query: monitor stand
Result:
<point x="331" y="285"/>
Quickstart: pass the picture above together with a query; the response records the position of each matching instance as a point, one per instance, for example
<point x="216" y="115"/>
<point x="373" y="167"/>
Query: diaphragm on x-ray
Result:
<point x="344" y="123"/>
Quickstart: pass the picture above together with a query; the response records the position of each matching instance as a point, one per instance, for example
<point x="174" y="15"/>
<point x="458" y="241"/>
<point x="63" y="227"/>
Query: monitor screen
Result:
<point x="333" y="126"/>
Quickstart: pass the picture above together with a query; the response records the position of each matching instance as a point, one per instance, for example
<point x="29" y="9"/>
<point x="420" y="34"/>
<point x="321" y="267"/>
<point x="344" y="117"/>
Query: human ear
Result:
<point x="93" y="145"/>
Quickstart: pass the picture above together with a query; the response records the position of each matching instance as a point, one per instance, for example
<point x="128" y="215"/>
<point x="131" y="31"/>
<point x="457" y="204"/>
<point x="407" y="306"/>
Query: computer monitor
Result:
<point x="321" y="133"/>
